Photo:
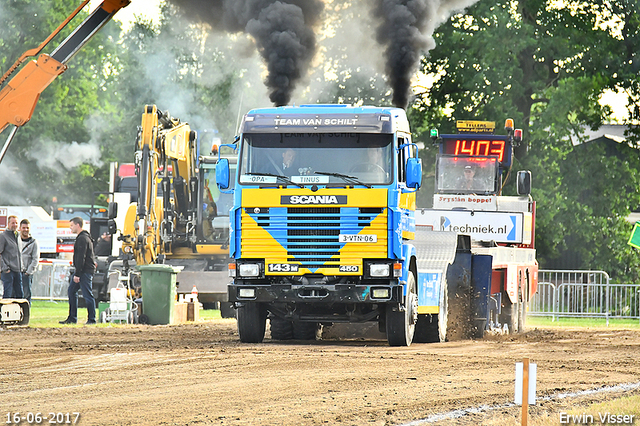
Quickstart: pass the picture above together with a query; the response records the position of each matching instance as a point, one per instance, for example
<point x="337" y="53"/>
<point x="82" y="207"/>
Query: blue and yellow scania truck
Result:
<point x="323" y="231"/>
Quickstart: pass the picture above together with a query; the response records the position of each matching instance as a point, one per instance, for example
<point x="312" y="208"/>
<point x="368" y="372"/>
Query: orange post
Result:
<point x="525" y="391"/>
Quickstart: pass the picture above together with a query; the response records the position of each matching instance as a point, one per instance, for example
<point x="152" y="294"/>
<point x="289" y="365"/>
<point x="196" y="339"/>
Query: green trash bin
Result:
<point x="158" y="292"/>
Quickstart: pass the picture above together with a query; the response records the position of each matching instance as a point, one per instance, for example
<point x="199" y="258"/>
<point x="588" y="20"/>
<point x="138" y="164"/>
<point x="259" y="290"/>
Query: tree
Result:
<point x="545" y="64"/>
<point x="89" y="116"/>
<point x="53" y="155"/>
<point x="181" y="68"/>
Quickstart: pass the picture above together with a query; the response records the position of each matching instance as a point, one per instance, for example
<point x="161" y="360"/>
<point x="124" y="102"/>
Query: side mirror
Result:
<point x="414" y="173"/>
<point x="112" y="210"/>
<point x="113" y="228"/>
<point x="523" y="185"/>
<point x="222" y="173"/>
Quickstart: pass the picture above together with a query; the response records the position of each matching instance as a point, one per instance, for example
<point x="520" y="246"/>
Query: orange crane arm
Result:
<point x="18" y="98"/>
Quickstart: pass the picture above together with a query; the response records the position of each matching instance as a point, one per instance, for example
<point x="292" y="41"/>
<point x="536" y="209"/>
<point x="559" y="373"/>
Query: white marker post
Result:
<point x="525" y="392"/>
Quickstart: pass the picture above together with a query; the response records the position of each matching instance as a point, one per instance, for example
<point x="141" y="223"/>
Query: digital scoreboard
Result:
<point x="478" y="145"/>
<point x="476" y="139"/>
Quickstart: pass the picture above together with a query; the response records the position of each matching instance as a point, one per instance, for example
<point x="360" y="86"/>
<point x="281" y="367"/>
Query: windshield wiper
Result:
<point x="284" y="178"/>
<point x="346" y="178"/>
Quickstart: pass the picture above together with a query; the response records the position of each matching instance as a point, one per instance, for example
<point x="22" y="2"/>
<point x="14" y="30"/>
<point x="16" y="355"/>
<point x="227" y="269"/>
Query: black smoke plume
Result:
<point x="281" y="29"/>
<point x="405" y="31"/>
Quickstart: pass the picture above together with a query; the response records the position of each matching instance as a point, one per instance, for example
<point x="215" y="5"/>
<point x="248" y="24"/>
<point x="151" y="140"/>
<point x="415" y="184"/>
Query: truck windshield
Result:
<point x="466" y="175"/>
<point x="213" y="217"/>
<point x="316" y="158"/>
<point x="68" y="212"/>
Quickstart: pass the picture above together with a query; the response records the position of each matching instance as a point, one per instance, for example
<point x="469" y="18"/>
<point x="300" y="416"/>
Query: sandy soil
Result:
<point x="201" y="374"/>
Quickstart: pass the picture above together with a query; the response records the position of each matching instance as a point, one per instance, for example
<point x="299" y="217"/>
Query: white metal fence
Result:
<point x="51" y="280"/>
<point x="584" y="294"/>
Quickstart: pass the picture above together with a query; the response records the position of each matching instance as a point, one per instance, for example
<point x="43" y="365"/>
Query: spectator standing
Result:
<point x="85" y="266"/>
<point x="30" y="257"/>
<point x="10" y="260"/>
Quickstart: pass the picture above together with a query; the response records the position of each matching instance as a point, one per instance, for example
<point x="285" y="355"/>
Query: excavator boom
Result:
<point x="19" y="96"/>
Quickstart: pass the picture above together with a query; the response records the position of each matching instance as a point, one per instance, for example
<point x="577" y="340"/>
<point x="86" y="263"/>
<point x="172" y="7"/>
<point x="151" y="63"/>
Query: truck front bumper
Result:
<point x="246" y="291"/>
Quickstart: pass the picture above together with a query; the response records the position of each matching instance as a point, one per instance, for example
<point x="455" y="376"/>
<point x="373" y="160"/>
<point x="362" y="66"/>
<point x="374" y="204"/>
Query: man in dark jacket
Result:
<point x="85" y="266"/>
<point x="10" y="260"/>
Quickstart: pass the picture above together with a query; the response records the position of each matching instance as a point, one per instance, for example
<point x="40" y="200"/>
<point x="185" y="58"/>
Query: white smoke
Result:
<point x="13" y="188"/>
<point x="62" y="156"/>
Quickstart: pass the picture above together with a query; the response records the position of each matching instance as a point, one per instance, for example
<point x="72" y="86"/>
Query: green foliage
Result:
<point x="546" y="64"/>
<point x="614" y="323"/>
<point x="43" y="158"/>
<point x="89" y="116"/>
<point x="46" y="314"/>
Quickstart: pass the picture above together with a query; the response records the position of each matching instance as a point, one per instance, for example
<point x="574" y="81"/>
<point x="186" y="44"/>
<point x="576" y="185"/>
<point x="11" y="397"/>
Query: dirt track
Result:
<point x="201" y="374"/>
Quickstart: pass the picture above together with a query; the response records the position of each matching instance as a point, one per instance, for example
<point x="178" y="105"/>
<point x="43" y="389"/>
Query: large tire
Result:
<point x="281" y="329"/>
<point x="426" y="329"/>
<point x="521" y="317"/>
<point x="433" y="328"/>
<point x="25" y="313"/>
<point x="509" y="315"/>
<point x="401" y="324"/>
<point x="305" y="330"/>
<point x="252" y="322"/>
<point x="522" y="307"/>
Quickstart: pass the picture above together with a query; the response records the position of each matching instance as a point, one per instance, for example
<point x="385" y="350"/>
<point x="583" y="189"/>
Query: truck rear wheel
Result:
<point x="522" y="306"/>
<point x="433" y="328"/>
<point x="281" y="329"/>
<point x="401" y="324"/>
<point x="521" y="317"/>
<point x="509" y="315"/>
<point x="252" y="322"/>
<point x="305" y="330"/>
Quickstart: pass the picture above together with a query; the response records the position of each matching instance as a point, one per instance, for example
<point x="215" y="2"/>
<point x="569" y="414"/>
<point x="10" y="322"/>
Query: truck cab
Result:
<point x="323" y="211"/>
<point x="471" y="169"/>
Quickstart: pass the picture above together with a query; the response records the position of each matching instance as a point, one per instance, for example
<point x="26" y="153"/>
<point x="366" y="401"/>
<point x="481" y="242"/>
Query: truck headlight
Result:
<point x="247" y="292"/>
<point x="380" y="293"/>
<point x="379" y="270"/>
<point x="249" y="269"/>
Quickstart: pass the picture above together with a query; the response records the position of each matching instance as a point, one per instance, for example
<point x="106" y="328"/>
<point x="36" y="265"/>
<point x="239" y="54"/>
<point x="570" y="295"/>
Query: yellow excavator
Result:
<point x="20" y="90"/>
<point x="181" y="218"/>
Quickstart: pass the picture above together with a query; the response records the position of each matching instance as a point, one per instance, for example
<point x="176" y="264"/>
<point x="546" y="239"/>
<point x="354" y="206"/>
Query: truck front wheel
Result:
<point x="252" y="322"/>
<point x="401" y="323"/>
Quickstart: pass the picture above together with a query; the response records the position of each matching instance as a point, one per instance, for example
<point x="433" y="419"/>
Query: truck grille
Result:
<point x="310" y="235"/>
